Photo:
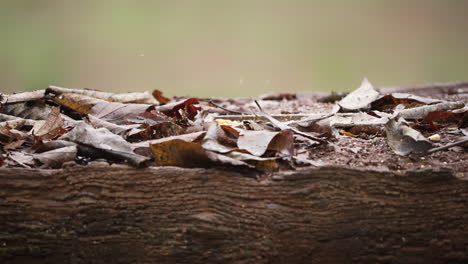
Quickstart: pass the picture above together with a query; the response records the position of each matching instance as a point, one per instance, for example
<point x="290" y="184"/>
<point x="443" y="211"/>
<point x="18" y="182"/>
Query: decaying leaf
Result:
<point x="51" y="127"/>
<point x="360" y="98"/>
<point x="102" y="139"/>
<point x="404" y="140"/>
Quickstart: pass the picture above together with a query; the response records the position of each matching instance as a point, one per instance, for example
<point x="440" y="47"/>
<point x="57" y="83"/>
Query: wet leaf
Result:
<point x="360" y="98"/>
<point x="404" y="140"/>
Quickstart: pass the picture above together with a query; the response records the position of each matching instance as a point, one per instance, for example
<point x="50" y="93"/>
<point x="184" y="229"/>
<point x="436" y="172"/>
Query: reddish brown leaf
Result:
<point x="159" y="96"/>
<point x="186" y="108"/>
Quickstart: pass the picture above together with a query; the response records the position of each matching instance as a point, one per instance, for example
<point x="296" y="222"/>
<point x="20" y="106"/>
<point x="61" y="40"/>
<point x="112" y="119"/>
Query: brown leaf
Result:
<point x="143" y="148"/>
<point x="77" y="102"/>
<point x="390" y="101"/>
<point x="177" y="152"/>
<point x="52" y="127"/>
<point x="189" y="107"/>
<point x="155" y="131"/>
<point x="159" y="96"/>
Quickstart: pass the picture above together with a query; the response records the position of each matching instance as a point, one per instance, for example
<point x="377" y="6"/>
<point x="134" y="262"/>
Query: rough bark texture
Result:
<point x="114" y="214"/>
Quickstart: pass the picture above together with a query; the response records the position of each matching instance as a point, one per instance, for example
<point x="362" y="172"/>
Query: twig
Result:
<point x="460" y="142"/>
<point x="224" y="108"/>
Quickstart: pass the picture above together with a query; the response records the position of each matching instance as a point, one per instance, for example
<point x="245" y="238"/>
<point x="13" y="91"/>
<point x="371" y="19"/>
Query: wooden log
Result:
<point x="116" y="214"/>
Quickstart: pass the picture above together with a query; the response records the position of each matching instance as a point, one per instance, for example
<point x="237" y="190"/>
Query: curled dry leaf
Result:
<point x="404" y="140"/>
<point x="189" y="108"/>
<point x="103" y="140"/>
<point x="211" y="142"/>
<point x="51" y="127"/>
<point x="160" y="97"/>
<point x="360" y="98"/>
<point x="22" y="97"/>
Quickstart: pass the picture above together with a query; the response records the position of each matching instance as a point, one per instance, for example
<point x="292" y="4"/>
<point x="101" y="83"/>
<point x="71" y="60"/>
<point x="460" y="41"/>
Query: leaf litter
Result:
<point x="389" y="128"/>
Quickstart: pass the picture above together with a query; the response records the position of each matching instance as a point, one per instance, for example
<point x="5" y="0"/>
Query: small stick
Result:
<point x="432" y="150"/>
<point x="225" y="109"/>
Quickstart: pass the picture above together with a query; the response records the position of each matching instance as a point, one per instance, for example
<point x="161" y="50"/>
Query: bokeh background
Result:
<point x="230" y="48"/>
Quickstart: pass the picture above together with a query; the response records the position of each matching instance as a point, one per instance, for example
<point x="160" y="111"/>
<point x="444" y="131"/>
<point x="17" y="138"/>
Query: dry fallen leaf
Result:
<point x="404" y="140"/>
<point x="258" y="142"/>
<point x="159" y="96"/>
<point x="51" y="127"/>
<point x="360" y="98"/>
<point x="77" y="102"/>
<point x="104" y="140"/>
<point x="117" y="113"/>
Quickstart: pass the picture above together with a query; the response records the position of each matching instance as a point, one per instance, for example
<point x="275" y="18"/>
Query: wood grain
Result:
<point x="115" y="214"/>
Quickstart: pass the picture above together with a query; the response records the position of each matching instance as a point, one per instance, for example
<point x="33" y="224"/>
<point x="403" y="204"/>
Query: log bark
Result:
<point x="115" y="214"/>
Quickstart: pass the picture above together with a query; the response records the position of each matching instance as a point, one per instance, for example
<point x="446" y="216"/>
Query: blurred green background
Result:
<point x="230" y="48"/>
